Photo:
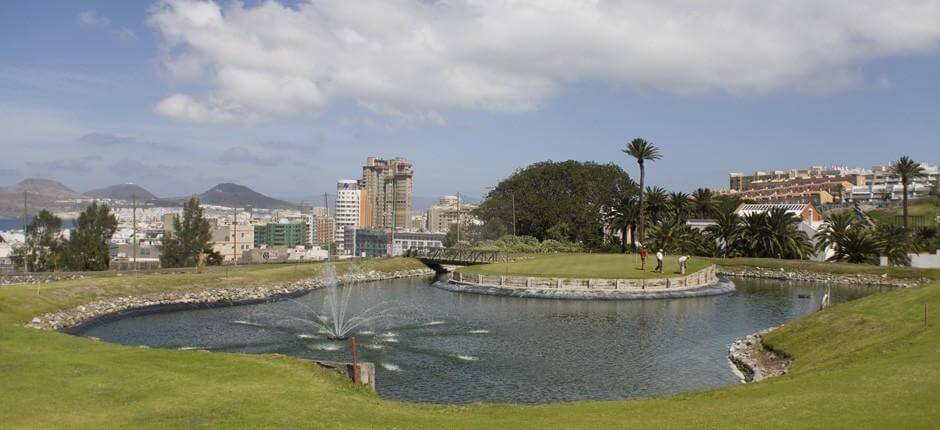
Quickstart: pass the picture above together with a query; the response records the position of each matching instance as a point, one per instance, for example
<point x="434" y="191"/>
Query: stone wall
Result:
<point x="36" y="278"/>
<point x="113" y="307"/>
<point x="808" y="276"/>
<point x="705" y="277"/>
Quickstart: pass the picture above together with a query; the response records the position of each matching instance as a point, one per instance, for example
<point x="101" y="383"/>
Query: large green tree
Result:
<point x="642" y="151"/>
<point x="908" y="170"/>
<point x="87" y="247"/>
<point x="550" y="194"/>
<point x="42" y="248"/>
<point x="189" y="238"/>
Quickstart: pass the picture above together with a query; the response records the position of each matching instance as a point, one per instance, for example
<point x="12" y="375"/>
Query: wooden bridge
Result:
<point x="457" y="256"/>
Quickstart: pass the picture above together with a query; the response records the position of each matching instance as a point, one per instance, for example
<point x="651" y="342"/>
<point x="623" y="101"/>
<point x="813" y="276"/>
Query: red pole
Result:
<point x="355" y="357"/>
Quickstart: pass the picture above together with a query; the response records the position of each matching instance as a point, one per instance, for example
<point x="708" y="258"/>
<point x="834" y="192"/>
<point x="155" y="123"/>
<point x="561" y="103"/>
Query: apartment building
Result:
<point x="388" y="185"/>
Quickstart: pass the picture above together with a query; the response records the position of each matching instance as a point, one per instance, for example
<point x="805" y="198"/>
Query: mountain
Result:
<point x="45" y="187"/>
<point x="234" y="195"/>
<point x="122" y="192"/>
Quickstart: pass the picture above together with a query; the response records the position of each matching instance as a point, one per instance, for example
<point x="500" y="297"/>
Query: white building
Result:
<point x="348" y="208"/>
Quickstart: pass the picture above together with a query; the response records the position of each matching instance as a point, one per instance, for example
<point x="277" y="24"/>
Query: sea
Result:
<point x="17" y="224"/>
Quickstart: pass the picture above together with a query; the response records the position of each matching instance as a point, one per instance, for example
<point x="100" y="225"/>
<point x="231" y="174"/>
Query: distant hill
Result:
<point x="122" y="192"/>
<point x="46" y="187"/>
<point x="234" y="195"/>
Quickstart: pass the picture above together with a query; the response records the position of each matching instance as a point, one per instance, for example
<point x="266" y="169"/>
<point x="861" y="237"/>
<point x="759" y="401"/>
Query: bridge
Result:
<point x="457" y="256"/>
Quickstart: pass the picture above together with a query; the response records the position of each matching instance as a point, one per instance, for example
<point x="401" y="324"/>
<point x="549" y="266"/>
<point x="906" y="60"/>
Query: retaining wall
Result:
<point x="705" y="277"/>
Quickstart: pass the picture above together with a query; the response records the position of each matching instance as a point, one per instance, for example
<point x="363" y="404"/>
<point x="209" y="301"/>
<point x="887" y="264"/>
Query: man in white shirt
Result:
<point x="682" y="261"/>
<point x="659" y="261"/>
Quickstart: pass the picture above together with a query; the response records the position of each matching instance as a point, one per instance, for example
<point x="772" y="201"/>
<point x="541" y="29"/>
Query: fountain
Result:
<point x="334" y="320"/>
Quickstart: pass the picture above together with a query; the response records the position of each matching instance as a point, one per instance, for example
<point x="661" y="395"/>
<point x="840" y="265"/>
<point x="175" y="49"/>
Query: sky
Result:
<point x="288" y="97"/>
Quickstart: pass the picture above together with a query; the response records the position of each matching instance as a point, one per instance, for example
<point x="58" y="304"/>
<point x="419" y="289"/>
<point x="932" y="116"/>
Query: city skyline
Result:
<point x="125" y="91"/>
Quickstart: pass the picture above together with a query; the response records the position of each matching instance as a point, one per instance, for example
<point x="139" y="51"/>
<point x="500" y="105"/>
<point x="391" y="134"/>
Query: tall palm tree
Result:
<point x="680" y="205"/>
<point x="657" y="201"/>
<point x="908" y="170"/>
<point x="643" y="151"/>
<point x="705" y="205"/>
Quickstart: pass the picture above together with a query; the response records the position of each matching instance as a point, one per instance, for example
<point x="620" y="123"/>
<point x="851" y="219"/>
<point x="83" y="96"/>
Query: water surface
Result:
<point x="454" y="348"/>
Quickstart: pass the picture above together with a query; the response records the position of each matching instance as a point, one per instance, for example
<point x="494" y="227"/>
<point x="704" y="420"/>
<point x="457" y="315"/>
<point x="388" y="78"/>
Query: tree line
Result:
<point x="585" y="206"/>
<point x="45" y="249"/>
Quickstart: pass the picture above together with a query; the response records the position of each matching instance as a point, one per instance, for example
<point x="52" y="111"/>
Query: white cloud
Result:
<point x="90" y="18"/>
<point x="413" y="58"/>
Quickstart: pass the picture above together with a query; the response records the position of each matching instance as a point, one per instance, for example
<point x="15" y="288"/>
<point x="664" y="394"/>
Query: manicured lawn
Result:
<point x="869" y="363"/>
<point x="607" y="266"/>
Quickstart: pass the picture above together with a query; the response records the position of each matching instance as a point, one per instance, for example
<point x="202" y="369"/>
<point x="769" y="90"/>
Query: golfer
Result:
<point x="659" y="261"/>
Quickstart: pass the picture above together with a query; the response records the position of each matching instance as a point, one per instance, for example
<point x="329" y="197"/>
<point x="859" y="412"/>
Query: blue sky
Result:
<point x="180" y="95"/>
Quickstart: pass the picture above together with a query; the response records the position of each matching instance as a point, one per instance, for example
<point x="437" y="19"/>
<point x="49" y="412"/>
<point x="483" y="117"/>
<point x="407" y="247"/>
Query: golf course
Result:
<point x="868" y="363"/>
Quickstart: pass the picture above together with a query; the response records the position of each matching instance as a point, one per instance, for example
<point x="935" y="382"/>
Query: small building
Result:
<point x="366" y="242"/>
<point x="409" y="241"/>
<point x="231" y="240"/>
<point x="280" y="234"/>
<point x="6" y="260"/>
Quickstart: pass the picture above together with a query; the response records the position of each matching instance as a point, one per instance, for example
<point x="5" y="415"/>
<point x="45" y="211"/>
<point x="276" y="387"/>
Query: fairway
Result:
<point x="606" y="266"/>
<point x="869" y="363"/>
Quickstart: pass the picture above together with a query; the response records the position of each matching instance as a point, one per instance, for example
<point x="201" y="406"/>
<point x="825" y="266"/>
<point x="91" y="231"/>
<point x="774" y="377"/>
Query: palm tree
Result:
<point x="657" y="201"/>
<point x="908" y="170"/>
<point x="680" y="205"/>
<point x="774" y="234"/>
<point x="894" y="242"/>
<point x="832" y="233"/>
<point x="673" y="236"/>
<point x="857" y="246"/>
<point x="623" y="217"/>
<point x="643" y="151"/>
<point x="705" y="205"/>
<point x="726" y="231"/>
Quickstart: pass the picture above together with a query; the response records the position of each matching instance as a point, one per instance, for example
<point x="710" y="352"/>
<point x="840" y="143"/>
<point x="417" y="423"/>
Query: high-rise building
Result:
<point x="324" y="231"/>
<point x="353" y="209"/>
<point x="388" y="184"/>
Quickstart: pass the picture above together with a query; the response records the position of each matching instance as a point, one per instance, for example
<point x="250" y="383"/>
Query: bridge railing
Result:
<point x="459" y="255"/>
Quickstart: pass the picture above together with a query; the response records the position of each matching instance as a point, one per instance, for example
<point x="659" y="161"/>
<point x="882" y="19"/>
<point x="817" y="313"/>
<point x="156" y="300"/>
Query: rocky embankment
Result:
<point x="204" y="297"/>
<point x="36" y="278"/>
<point x="755" y="360"/>
<point x="808" y="276"/>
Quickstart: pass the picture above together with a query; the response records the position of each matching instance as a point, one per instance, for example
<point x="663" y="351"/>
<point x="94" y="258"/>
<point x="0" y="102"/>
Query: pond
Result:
<point x="446" y="347"/>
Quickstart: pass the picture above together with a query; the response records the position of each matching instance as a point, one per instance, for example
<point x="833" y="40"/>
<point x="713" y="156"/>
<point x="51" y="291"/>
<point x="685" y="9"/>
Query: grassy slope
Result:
<point x="867" y="363"/>
<point x="609" y="266"/>
<point x="930" y="208"/>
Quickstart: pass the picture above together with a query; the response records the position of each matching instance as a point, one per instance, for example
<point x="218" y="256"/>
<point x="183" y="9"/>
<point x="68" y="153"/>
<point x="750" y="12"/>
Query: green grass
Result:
<point x="827" y="267"/>
<point x="599" y="266"/>
<point x="928" y="208"/>
<point x="869" y="363"/>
